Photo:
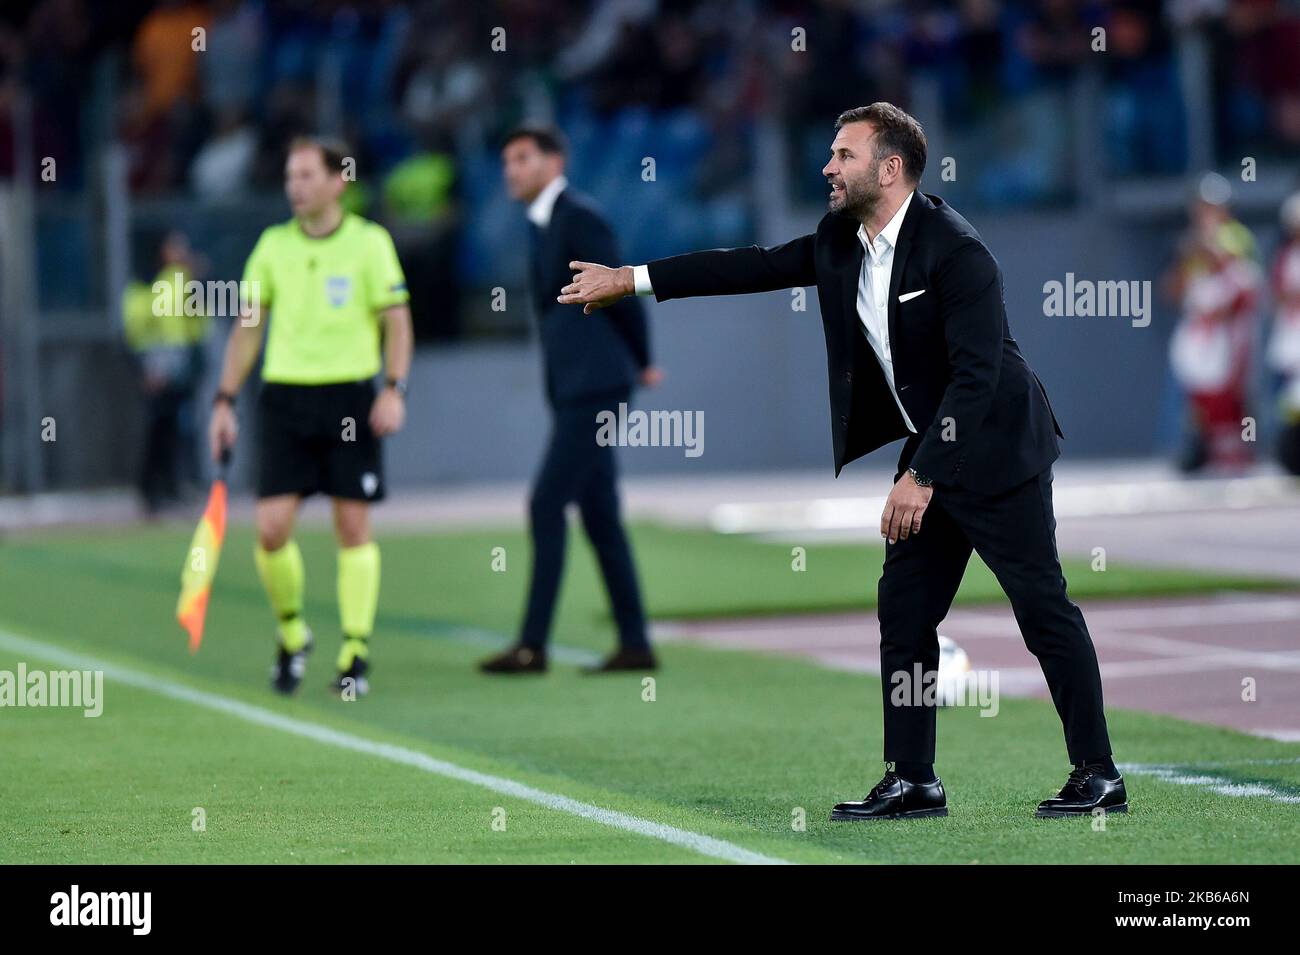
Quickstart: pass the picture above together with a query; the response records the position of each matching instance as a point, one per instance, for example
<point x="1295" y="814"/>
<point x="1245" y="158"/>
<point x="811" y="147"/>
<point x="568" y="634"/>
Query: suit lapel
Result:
<point x="901" y="251"/>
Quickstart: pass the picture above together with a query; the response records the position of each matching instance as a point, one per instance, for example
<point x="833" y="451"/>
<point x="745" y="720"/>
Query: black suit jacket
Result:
<point x="583" y="355"/>
<point x="983" y="417"/>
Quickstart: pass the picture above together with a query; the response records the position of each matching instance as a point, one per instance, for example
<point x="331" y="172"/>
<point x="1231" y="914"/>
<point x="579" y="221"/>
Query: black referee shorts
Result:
<point x="317" y="438"/>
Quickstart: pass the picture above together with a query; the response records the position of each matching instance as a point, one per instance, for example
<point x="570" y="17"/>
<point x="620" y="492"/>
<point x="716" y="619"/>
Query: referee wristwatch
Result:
<point x="398" y="385"/>
<point x="921" y="481"/>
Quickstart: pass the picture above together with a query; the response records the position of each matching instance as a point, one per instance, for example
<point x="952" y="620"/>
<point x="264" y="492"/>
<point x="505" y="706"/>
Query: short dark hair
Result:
<point x="549" y="139"/>
<point x="897" y="133"/>
<point x="334" y="152"/>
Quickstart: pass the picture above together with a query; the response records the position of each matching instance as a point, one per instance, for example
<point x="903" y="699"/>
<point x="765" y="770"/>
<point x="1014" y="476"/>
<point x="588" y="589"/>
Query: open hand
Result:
<point x="596" y="286"/>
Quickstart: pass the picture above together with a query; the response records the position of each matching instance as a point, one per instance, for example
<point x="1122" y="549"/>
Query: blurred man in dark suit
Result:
<point x="591" y="366"/>
<point x="918" y="347"/>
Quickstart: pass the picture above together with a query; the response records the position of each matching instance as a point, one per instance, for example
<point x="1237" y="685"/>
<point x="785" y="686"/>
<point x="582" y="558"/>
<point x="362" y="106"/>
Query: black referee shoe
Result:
<point x="288" y="669"/>
<point x="353" y="678"/>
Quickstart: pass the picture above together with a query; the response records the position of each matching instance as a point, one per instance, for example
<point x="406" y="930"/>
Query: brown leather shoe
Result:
<point x="625" y="660"/>
<point x="518" y="659"/>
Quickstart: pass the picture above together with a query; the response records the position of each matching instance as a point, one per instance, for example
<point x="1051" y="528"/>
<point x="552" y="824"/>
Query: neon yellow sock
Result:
<point x="282" y="576"/>
<point x="358" y="599"/>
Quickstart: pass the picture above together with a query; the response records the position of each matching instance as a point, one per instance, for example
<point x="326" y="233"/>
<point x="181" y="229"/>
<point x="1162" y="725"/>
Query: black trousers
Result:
<point x="159" y="468"/>
<point x="577" y="469"/>
<point x="1014" y="532"/>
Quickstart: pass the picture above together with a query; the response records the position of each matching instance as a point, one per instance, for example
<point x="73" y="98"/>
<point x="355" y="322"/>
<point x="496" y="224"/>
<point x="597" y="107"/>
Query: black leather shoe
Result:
<point x="895" y="798"/>
<point x="518" y="659"/>
<point x="1086" y="789"/>
<point x="625" y="660"/>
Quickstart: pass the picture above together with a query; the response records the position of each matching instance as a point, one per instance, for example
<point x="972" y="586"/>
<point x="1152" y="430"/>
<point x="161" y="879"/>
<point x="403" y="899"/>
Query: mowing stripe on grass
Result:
<point x="694" y="841"/>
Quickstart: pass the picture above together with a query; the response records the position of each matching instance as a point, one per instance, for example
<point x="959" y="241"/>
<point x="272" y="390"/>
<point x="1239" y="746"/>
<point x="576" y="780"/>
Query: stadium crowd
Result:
<point x="425" y="74"/>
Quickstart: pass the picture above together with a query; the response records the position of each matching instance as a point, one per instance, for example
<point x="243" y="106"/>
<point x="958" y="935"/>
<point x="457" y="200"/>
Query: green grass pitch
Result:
<point x="735" y="746"/>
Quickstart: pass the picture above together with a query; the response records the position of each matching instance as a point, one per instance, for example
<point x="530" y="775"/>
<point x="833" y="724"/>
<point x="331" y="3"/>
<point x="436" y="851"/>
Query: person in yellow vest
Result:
<point x="165" y="330"/>
<point x="328" y="290"/>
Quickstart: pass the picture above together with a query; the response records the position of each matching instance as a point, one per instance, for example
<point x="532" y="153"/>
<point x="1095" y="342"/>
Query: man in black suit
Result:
<point x="590" y="368"/>
<point x="918" y="347"/>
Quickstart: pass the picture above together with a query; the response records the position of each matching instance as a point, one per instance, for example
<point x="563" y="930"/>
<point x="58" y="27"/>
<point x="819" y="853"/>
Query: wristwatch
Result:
<point x="920" y="481"/>
<point x="398" y="385"/>
<point x="225" y="396"/>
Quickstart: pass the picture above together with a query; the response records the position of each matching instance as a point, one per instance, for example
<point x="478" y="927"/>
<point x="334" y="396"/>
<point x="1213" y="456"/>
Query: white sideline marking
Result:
<point x="1070" y="500"/>
<point x="704" y="845"/>
<point x="1229" y="763"/>
<point x="1282" y="736"/>
<point x="1216" y="784"/>
<point x="1176" y="614"/>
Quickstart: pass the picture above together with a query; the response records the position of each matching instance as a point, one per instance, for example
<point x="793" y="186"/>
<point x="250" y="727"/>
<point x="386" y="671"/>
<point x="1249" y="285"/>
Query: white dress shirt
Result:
<point x="540" y="209"/>
<point x="873" y="294"/>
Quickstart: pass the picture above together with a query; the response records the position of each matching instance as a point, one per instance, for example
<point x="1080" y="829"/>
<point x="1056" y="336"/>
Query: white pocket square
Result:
<point x="908" y="296"/>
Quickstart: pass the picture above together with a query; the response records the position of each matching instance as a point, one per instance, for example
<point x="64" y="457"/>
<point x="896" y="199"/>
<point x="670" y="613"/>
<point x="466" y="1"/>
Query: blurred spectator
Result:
<point x="689" y="82"/>
<point x="1143" y="108"/>
<point x="233" y="61"/>
<point x="289" y="111"/>
<point x="1216" y="282"/>
<point x="1265" y="77"/>
<point x="444" y="77"/>
<point x="56" y="58"/>
<point x="1054" y="39"/>
<point x="1284" y="343"/>
<point x="419" y="210"/>
<point x="165" y="331"/>
<point x="224" y="165"/>
<point x="164" y="56"/>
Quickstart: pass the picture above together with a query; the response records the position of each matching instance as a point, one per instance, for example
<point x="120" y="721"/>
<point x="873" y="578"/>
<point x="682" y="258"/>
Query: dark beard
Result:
<point x="860" y="205"/>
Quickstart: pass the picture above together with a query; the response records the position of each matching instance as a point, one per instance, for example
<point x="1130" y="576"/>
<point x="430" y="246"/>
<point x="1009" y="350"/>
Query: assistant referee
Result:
<point x="329" y="285"/>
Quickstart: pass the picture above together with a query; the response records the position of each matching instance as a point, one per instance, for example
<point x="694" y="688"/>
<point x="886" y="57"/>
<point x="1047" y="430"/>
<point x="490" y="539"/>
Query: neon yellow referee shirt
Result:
<point x="324" y="296"/>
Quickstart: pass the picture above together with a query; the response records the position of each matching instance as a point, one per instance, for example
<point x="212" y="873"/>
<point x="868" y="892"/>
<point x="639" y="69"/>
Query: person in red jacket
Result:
<point x="1216" y="281"/>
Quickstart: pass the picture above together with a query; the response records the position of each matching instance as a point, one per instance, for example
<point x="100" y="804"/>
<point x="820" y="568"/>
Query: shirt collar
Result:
<point x="889" y="233"/>
<point x="540" y="209"/>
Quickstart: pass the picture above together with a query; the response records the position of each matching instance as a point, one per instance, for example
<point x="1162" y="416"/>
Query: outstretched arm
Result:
<point x="711" y="272"/>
